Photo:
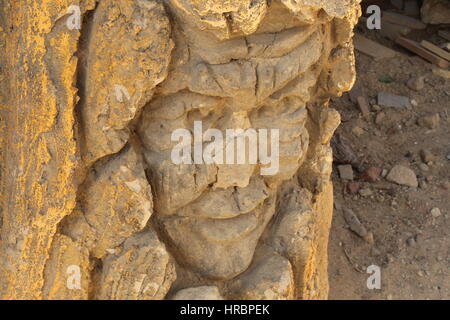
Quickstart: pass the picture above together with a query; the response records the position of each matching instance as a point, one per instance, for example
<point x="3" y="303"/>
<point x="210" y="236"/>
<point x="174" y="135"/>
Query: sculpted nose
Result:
<point x="235" y="175"/>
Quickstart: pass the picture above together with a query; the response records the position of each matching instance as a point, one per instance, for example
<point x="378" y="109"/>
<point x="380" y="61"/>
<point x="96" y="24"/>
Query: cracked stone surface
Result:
<point x="90" y="182"/>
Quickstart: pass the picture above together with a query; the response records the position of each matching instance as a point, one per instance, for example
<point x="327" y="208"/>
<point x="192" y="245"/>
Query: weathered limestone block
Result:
<point x="146" y="69"/>
<point x="128" y="53"/>
<point x="116" y="203"/>
<point x="270" y="279"/>
<point x="265" y="80"/>
<point x="198" y="293"/>
<point x="142" y="270"/>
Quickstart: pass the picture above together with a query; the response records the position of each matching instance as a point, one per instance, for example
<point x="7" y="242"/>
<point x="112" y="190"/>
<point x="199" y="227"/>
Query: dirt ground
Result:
<point x="411" y="246"/>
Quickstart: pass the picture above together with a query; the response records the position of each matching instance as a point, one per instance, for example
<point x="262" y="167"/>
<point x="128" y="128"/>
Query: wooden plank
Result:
<point x="441" y="72"/>
<point x="390" y="30"/>
<point x="372" y="48"/>
<point x="393" y="31"/>
<point x="424" y="53"/>
<point x="403" y="20"/>
<point x="435" y="49"/>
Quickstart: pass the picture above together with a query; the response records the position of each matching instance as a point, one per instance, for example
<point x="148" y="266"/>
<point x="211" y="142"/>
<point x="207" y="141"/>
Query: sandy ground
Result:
<point x="411" y="246"/>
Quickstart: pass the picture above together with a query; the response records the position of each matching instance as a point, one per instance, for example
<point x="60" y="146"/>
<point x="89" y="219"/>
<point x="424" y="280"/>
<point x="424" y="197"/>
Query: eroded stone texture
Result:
<point x="219" y="248"/>
<point x="67" y="271"/>
<point x="222" y="18"/>
<point x="142" y="270"/>
<point x="128" y="52"/>
<point x="141" y="76"/>
<point x="270" y="279"/>
<point x="37" y="99"/>
<point x="116" y="203"/>
<point x="198" y="293"/>
<point x="226" y="80"/>
<point x="298" y="236"/>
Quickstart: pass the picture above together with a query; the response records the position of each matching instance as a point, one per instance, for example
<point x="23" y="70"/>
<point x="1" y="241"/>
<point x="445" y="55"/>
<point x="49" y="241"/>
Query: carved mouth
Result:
<point x="230" y="229"/>
<point x="214" y="229"/>
<point x="223" y="215"/>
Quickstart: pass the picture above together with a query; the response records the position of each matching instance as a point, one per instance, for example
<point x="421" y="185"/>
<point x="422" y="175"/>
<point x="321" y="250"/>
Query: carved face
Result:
<point x="235" y="66"/>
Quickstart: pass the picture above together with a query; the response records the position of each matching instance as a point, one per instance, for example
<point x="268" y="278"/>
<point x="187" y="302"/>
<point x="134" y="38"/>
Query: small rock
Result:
<point x="424" y="167"/>
<point x="346" y="172"/>
<point x="369" y="238"/>
<point x="380" y="117"/>
<point x="448" y="156"/>
<point x="384" y="173"/>
<point x="372" y="174"/>
<point x="436" y="212"/>
<point x="414" y="103"/>
<point x="423" y="184"/>
<point x="365" y="192"/>
<point x="411" y="242"/>
<point x="356" y="226"/>
<point x="418" y="238"/>
<point x="376" y="107"/>
<point x="392" y="100"/>
<point x="430" y="121"/>
<point x="426" y="156"/>
<point x="363" y="106"/>
<point x="394" y="204"/>
<point x="353" y="187"/>
<point x="416" y="83"/>
<point x="358" y="131"/>
<point x="403" y="176"/>
<point x="390" y="258"/>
